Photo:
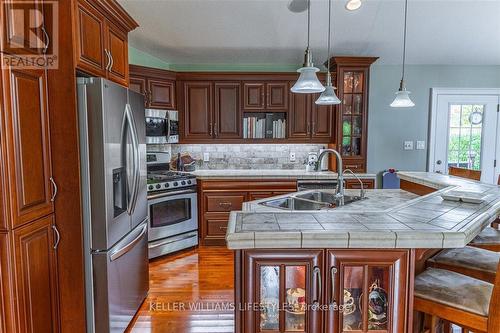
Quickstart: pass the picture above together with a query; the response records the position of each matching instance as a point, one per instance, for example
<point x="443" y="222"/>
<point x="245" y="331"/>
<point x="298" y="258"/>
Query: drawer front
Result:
<point x="354" y="184"/>
<point x="217" y="227"/>
<point x="224" y="202"/>
<point x="355" y="166"/>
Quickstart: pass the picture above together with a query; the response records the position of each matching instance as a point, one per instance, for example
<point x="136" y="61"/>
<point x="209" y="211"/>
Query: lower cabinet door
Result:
<point x="35" y="265"/>
<point x="3" y="281"/>
<point x="370" y="288"/>
<point x="283" y="291"/>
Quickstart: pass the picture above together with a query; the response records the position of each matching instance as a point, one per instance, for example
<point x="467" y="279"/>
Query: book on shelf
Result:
<point x="264" y="128"/>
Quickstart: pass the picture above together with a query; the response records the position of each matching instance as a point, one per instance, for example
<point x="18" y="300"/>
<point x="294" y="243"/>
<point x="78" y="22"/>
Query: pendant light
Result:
<point x="308" y="82"/>
<point x="402" y="99"/>
<point x="328" y="97"/>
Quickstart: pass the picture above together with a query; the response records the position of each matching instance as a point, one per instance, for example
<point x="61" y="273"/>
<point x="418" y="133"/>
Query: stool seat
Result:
<point x="472" y="261"/>
<point x="454" y="290"/>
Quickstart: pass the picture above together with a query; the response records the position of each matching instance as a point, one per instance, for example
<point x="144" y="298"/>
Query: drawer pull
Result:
<point x="222" y="228"/>
<point x="225" y="204"/>
<point x="349" y="166"/>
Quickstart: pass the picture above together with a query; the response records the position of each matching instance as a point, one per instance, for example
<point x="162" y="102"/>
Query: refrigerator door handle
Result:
<point x="135" y="156"/>
<point x="123" y="250"/>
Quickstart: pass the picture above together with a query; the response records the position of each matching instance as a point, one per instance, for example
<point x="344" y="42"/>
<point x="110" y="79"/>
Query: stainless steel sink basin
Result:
<point x="315" y="200"/>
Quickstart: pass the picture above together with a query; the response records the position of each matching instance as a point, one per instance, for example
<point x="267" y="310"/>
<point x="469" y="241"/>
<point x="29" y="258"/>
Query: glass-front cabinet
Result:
<point x="283" y="291"/>
<point x="368" y="290"/>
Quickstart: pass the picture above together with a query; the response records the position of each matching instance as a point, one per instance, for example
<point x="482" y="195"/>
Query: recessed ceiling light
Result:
<point x="353" y="5"/>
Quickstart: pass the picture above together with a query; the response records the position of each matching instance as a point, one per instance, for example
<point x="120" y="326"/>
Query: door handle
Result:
<point x="136" y="160"/>
<point x="439" y="162"/>
<point x="333" y="272"/>
<point x="125" y="249"/>
<point x="317" y="276"/>
<point x="54" y="191"/>
<point x="58" y="237"/>
<point x="47" y="40"/>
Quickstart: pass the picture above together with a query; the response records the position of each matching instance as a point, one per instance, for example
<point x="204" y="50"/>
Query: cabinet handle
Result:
<point x="216" y="130"/>
<point x="317" y="275"/>
<point x="308" y="128"/>
<point x="313" y="127"/>
<point x="350" y="166"/>
<point x="108" y="58"/>
<point x="225" y="204"/>
<point x="58" y="237"/>
<point x="47" y="40"/>
<point x="222" y="228"/>
<point x="333" y="272"/>
<point x="112" y="61"/>
<point x="54" y="187"/>
<point x="211" y="129"/>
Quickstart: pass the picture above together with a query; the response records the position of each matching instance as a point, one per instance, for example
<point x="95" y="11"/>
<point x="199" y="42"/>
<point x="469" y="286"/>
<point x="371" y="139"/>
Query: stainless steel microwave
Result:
<point x="162" y="126"/>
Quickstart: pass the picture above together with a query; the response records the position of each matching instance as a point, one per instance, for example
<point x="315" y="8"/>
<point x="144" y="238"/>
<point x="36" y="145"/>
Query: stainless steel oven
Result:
<point x="173" y="221"/>
<point x="162" y="126"/>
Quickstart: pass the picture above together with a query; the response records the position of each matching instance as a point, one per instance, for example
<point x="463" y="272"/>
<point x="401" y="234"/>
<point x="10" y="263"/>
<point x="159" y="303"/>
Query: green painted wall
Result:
<point x="138" y="57"/>
<point x="233" y="67"/>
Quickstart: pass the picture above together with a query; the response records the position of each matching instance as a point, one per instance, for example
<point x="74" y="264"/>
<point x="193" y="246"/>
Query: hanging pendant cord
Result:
<point x="308" y="21"/>
<point x="404" y="41"/>
<point x="329" y="28"/>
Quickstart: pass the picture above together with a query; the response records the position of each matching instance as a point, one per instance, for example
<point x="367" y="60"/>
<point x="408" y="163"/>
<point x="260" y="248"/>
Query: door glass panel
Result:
<point x="170" y="212"/>
<point x="346" y="145"/>
<point x="378" y="298"/>
<point x="347" y="107"/>
<point x="358" y="82"/>
<point x="356" y="126"/>
<point x="269" y="297"/>
<point x="465" y="135"/>
<point x="357" y="103"/>
<point x="295" y="298"/>
<point x="352" y="316"/>
<point x="348" y="82"/>
<point x="346" y="126"/>
<point x="356" y="146"/>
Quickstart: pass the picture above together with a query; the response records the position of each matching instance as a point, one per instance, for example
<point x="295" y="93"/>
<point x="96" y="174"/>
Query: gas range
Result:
<point x="168" y="180"/>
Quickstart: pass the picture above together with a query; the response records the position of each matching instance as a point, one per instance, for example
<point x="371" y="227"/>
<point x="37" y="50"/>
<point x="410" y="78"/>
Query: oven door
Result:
<point x="172" y="213"/>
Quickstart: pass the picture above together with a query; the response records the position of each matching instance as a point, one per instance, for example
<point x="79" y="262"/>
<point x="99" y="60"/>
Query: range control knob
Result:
<point x="150" y="187"/>
<point x="167" y="184"/>
<point x="158" y="186"/>
<point x="189" y="182"/>
<point x="183" y="183"/>
<point x="176" y="184"/>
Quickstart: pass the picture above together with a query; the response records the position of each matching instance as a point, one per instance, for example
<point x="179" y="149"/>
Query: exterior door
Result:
<point x="227" y="111"/>
<point x="370" y="288"/>
<point x="35" y="263"/>
<point x="198" y="110"/>
<point x="465" y="132"/>
<point x="288" y="286"/>
<point x="27" y="129"/>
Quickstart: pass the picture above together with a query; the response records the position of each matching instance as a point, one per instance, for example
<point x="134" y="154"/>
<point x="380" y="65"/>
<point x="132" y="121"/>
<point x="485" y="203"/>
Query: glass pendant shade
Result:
<point x="402" y="100"/>
<point x="328" y="97"/>
<point x="308" y="82"/>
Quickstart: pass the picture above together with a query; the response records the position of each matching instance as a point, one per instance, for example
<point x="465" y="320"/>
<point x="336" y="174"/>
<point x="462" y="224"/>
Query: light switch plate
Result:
<point x="408" y="145"/>
<point x="420" y="145"/>
<point x="206" y="157"/>
<point x="292" y="157"/>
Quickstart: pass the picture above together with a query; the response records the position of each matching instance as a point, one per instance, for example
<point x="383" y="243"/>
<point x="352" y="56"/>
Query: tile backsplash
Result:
<point x="244" y="156"/>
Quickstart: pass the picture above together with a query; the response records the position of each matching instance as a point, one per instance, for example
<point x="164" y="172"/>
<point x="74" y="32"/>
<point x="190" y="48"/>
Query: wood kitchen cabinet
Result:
<point x="227" y="111"/>
<point x="36" y="287"/>
<point x="217" y="198"/>
<point x="265" y="96"/>
<point x="283" y="282"/>
<point x="198" y="110"/>
<point x="102" y="29"/>
<point x="157" y="85"/>
<point x="354" y="184"/>
<point x="28" y="156"/>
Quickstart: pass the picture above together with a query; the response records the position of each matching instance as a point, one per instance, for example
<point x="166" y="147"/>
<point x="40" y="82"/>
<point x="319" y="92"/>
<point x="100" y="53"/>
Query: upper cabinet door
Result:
<point x="299" y="116"/>
<point x="198" y="110"/>
<point x="277" y="96"/>
<point x="161" y="94"/>
<point x="227" y="111"/>
<point x="35" y="266"/>
<point x="27" y="128"/>
<point x="254" y="96"/>
<point x="90" y="43"/>
<point x="117" y="46"/>
<point x="322" y="120"/>
<point x="138" y="84"/>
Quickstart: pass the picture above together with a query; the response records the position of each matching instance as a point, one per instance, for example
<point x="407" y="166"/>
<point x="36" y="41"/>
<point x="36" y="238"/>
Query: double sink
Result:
<point x="315" y="200"/>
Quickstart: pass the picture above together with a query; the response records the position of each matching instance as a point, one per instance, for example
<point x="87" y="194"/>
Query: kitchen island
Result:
<point x="349" y="268"/>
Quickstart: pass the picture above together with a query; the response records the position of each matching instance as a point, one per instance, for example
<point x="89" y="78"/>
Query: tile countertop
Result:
<point x="281" y="173"/>
<point x="387" y="219"/>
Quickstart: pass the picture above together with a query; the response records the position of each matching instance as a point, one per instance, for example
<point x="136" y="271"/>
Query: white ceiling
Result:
<point x="459" y="32"/>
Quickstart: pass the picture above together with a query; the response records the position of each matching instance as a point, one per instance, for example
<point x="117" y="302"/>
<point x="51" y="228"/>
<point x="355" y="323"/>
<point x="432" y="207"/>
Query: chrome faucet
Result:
<point x="362" y="188"/>
<point x="340" y="175"/>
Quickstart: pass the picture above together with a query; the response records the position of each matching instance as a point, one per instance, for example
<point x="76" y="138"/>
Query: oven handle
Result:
<point x="171" y="241"/>
<point x="169" y="194"/>
<point x="120" y="252"/>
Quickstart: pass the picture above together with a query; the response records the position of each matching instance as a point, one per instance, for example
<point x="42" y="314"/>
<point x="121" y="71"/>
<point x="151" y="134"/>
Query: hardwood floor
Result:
<point x="190" y="292"/>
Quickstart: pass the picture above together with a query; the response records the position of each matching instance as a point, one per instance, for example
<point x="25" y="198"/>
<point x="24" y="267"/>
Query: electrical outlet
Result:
<point x="206" y="157"/>
<point x="420" y="145"/>
<point x="408" y="145"/>
<point x="292" y="157"/>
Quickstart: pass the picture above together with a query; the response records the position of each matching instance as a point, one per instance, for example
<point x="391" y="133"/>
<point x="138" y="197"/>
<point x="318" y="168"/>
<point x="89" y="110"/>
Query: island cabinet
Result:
<point x="217" y="198"/>
<point x="322" y="290"/>
<point x="101" y="43"/>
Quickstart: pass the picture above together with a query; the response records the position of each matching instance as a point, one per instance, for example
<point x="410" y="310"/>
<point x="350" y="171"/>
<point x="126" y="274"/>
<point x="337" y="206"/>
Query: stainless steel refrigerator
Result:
<point x="113" y="172"/>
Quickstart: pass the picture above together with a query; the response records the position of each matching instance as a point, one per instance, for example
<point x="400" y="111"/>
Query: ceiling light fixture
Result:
<point x="402" y="99"/>
<point x="328" y="97"/>
<point x="353" y="5"/>
<point x="308" y="81"/>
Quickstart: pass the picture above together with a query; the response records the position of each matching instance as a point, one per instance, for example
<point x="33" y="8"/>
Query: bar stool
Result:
<point x="459" y="299"/>
<point x="471" y="261"/>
